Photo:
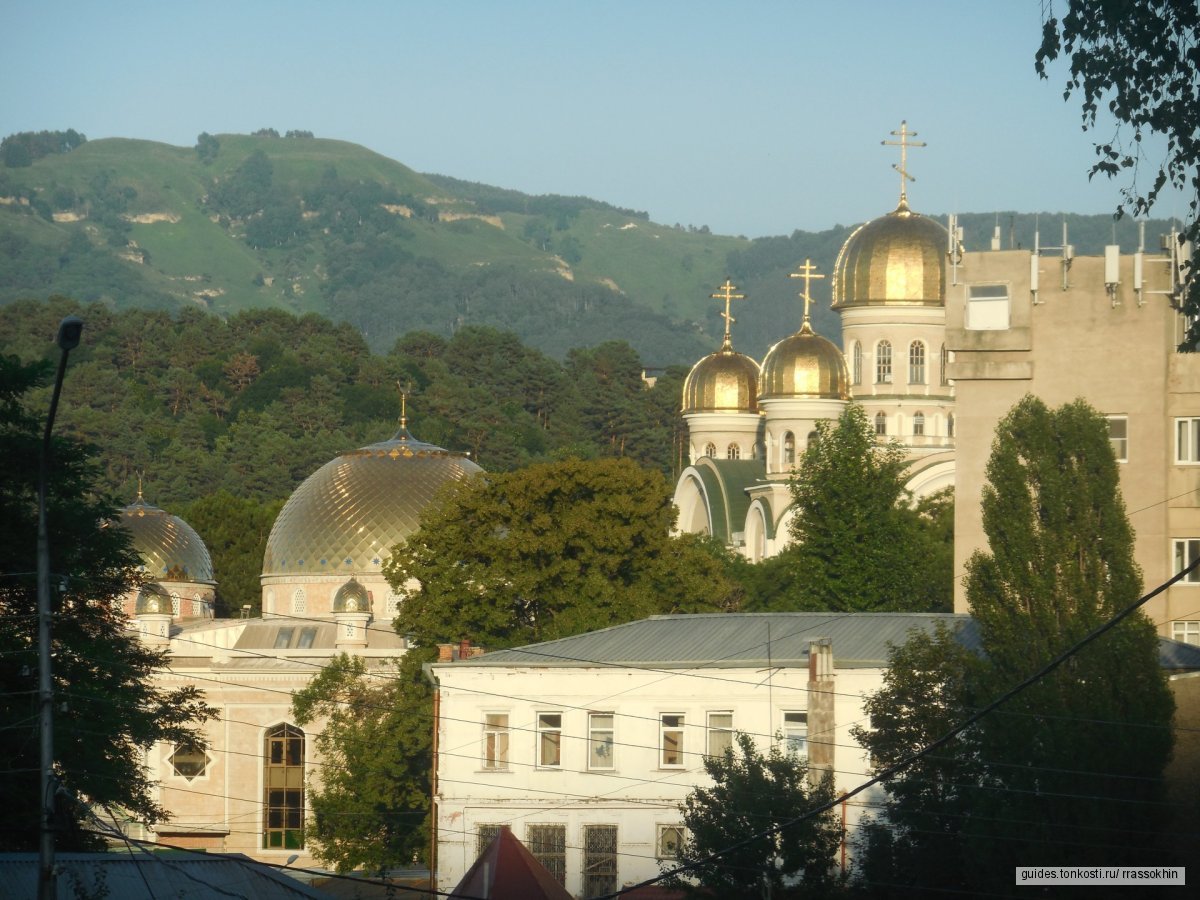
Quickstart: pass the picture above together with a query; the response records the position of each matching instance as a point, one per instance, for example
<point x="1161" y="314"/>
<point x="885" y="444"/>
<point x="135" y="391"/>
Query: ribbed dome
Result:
<point x="170" y="548"/>
<point x="351" y="597"/>
<point x="804" y="365"/>
<point x="895" y="260"/>
<point x="152" y="599"/>
<point x="346" y="517"/>
<point x="725" y="381"/>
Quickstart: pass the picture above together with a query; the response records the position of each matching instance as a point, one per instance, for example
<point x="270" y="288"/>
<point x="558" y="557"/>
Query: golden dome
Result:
<point x="346" y="517"/>
<point x="895" y="260"/>
<point x="170" y="548"/>
<point x="725" y="381"/>
<point x="351" y="597"/>
<point x="804" y="365"/>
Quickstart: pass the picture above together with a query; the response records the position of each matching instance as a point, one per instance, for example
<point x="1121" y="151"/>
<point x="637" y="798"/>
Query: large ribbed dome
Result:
<point x="346" y="517"/>
<point x="725" y="381"/>
<point x="895" y="260"/>
<point x="804" y="365"/>
<point x="170" y="548"/>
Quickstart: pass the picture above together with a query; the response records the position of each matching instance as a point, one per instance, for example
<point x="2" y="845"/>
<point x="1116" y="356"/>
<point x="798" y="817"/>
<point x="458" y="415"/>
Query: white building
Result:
<point x="586" y="746"/>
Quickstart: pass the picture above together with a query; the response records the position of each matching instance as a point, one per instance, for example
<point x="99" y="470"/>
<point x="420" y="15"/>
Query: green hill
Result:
<point x="312" y="225"/>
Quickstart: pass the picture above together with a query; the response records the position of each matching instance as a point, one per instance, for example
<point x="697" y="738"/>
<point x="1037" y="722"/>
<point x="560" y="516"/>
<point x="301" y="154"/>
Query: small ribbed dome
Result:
<point x="895" y="260"/>
<point x="804" y="365"/>
<point x="351" y="597"/>
<point x="725" y="381"/>
<point x="346" y="517"/>
<point x="170" y="548"/>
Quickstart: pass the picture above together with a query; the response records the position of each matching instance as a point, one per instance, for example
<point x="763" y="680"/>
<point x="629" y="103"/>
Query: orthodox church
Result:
<point x="749" y="424"/>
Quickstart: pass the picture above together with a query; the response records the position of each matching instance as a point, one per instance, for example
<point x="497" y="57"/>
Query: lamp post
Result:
<point x="69" y="331"/>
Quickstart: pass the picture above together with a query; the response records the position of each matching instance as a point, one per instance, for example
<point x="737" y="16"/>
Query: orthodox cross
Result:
<point x="726" y="292"/>
<point x="808" y="272"/>
<point x="904" y="143"/>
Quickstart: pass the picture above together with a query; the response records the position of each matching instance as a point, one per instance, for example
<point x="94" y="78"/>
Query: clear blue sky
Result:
<point x="750" y="117"/>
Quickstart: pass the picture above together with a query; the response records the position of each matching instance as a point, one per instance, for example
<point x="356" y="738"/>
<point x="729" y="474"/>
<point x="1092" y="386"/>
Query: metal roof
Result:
<point x="733" y="640"/>
<point x="725" y="482"/>
<point x="146" y="876"/>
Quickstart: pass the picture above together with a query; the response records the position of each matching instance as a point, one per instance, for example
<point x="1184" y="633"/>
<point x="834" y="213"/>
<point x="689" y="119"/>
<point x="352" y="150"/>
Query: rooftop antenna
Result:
<point x="1068" y="251"/>
<point x="1139" y="262"/>
<point x="808" y="272"/>
<point x="726" y="292"/>
<point x="904" y="143"/>
<point x="954" y="249"/>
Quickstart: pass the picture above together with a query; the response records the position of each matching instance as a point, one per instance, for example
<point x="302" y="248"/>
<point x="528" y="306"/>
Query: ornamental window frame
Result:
<point x="883" y="362"/>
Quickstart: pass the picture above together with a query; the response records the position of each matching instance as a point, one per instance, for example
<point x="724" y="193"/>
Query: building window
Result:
<point x="1118" y="436"/>
<point x="549" y="739"/>
<point x="916" y="363"/>
<point x="987" y="307"/>
<point x="789" y="449"/>
<point x="175" y="605"/>
<point x="1188" y="632"/>
<point x="710" y="450"/>
<point x="883" y="363"/>
<point x="670" y="841"/>
<point x="1187" y="440"/>
<point x="495" y="740"/>
<point x="391" y="605"/>
<point x="283" y="638"/>
<point x="599" y="860"/>
<point x="795" y="733"/>
<point x="188" y="761"/>
<point x="307" y="637"/>
<point x="918" y="424"/>
<point x="671" y="740"/>
<point x="856" y="363"/>
<point x="950" y="425"/>
<point x="945" y="362"/>
<point x="485" y="836"/>
<point x="720" y="733"/>
<point x="299" y="602"/>
<point x="733" y="452"/>
<point x="283" y="779"/>
<point x="1187" y="551"/>
<point x="601" y="749"/>
<point x="548" y="844"/>
<point x="880" y="424"/>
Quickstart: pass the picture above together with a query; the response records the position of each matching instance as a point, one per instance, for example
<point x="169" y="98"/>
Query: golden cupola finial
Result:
<point x="808" y="272"/>
<point x="140" y="475"/>
<point x="904" y="143"/>
<point x="726" y="292"/>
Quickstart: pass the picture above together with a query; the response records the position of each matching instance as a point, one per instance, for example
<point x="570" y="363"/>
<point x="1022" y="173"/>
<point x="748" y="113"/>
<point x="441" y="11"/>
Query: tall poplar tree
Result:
<point x="1069" y="772"/>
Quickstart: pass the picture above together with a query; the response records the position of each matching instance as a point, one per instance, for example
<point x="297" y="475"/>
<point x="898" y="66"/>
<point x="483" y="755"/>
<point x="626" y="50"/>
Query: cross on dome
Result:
<point x="726" y="292"/>
<point x="904" y="143"/>
<point x="808" y="272"/>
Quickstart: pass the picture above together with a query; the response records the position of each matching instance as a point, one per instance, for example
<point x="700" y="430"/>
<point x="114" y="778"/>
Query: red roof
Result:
<point x="506" y="870"/>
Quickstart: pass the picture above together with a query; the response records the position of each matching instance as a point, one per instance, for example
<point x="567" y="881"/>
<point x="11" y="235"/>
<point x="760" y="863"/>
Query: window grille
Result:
<point x="299" y="602"/>
<point x="599" y="860"/>
<point x="487" y="834"/>
<point x="548" y="844"/>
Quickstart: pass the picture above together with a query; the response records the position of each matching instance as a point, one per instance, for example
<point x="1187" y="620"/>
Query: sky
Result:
<point x="751" y="117"/>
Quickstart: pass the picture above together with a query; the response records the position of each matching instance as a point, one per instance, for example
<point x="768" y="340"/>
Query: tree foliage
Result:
<point x="108" y="708"/>
<point x="25" y="147"/>
<point x="551" y="550"/>
<point x="1141" y="60"/>
<point x="858" y="544"/>
<point x="754" y="793"/>
<point x="1069" y="771"/>
<point x="370" y="797"/>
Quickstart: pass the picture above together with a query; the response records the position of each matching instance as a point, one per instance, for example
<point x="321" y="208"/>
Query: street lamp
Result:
<point x="69" y="332"/>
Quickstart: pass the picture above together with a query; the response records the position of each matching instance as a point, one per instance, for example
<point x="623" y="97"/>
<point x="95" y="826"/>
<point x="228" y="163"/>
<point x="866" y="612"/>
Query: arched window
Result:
<point x="950" y="425"/>
<point x="916" y="363"/>
<point x="710" y="450"/>
<point x="856" y="363"/>
<point x="175" y="611"/>
<point x="789" y="449"/>
<point x="918" y="424"/>
<point x="283" y="788"/>
<point x="733" y="452"/>
<point x="299" y="602"/>
<point x="945" y="362"/>
<point x="880" y="423"/>
<point x="391" y="605"/>
<point x="883" y="363"/>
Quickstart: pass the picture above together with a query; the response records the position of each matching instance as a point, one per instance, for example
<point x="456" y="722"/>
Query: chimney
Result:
<point x="821" y="720"/>
<point x="445" y="652"/>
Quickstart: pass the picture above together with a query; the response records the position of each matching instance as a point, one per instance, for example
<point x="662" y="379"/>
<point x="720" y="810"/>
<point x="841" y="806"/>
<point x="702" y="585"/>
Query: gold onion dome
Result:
<point x="895" y="260"/>
<point x="725" y="381"/>
<point x="804" y="365"/>
<point x="346" y="517"/>
<point x="170" y="548"/>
